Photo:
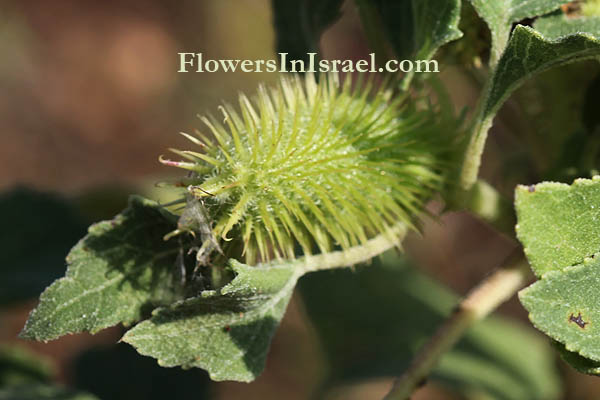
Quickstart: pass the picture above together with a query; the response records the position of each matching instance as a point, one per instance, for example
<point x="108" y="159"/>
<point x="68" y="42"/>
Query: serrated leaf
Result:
<point x="527" y="53"/>
<point x="565" y="305"/>
<point x="225" y="332"/>
<point x="372" y="321"/>
<point x="42" y="392"/>
<point x="40" y="230"/>
<point x="556" y="25"/>
<point x="501" y="14"/>
<point x="115" y="274"/>
<point x="299" y="25"/>
<point x="558" y="224"/>
<point x="417" y="28"/>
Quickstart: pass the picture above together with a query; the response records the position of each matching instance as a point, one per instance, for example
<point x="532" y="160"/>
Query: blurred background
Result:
<point x="90" y="97"/>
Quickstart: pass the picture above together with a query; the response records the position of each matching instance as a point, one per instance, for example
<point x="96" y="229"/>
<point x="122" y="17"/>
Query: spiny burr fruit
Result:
<point x="312" y="166"/>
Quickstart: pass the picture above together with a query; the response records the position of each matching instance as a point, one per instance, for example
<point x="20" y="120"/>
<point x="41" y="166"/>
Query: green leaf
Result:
<point x="501" y="14"/>
<point x="40" y="228"/>
<point x="372" y="321"/>
<point x="565" y="305"/>
<point x="299" y="25"/>
<point x="225" y="332"/>
<point x="527" y="53"/>
<point x="117" y="273"/>
<point x="416" y="28"/>
<point x="18" y="366"/>
<point x="557" y="25"/>
<point x="42" y="392"/>
<point x="581" y="364"/>
<point x="558" y="224"/>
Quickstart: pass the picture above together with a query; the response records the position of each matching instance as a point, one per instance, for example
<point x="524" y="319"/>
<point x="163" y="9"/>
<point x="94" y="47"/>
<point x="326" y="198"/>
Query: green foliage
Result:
<point x="124" y="268"/>
<point x="299" y="25"/>
<point x="557" y="25"/>
<point x="415" y="28"/>
<point x="227" y="332"/>
<point x="116" y="273"/>
<point x="557" y="223"/>
<point x="565" y="305"/>
<point x="372" y="320"/>
<point x="528" y="52"/>
<point x="344" y="171"/>
<point x="501" y="14"/>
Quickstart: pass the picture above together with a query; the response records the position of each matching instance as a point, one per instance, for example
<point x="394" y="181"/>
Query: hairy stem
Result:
<point x="357" y="254"/>
<point x="481" y="123"/>
<point x="473" y="153"/>
<point x="482" y="300"/>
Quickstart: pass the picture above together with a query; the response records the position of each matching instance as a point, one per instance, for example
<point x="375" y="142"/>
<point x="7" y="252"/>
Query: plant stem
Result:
<point x="480" y="124"/>
<point x="482" y="300"/>
<point x="473" y="153"/>
<point x="357" y="254"/>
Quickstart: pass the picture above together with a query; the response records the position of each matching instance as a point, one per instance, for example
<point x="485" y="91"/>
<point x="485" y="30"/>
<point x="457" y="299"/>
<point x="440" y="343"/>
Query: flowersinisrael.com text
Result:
<point x="196" y="62"/>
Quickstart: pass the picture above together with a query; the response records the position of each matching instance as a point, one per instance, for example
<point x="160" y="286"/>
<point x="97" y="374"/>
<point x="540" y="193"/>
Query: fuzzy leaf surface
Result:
<point x="565" y="305"/>
<point x="499" y="15"/>
<point x="417" y="28"/>
<point x="556" y="25"/>
<point x="558" y="224"/>
<point x="225" y="332"/>
<point x="115" y="273"/>
<point x="528" y="52"/>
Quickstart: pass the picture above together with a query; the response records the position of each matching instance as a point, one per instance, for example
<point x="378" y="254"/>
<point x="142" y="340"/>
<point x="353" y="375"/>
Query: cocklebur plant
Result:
<point x="304" y="176"/>
<point x="315" y="174"/>
<point x="323" y="165"/>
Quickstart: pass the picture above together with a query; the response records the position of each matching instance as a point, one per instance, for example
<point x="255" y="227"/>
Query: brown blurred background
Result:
<point x="90" y="97"/>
